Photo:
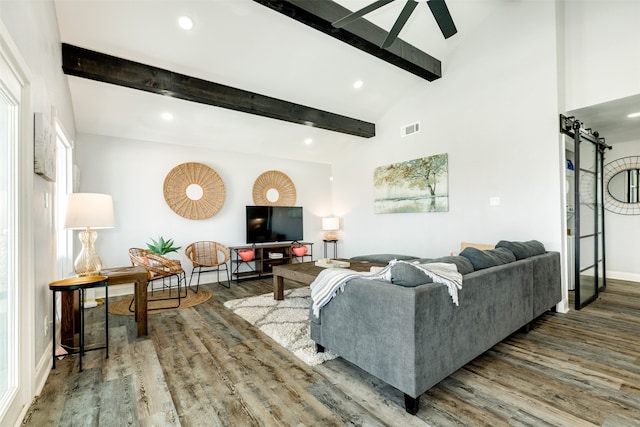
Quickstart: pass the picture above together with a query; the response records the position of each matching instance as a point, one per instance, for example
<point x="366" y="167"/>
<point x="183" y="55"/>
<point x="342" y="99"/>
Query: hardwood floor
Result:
<point x="204" y="366"/>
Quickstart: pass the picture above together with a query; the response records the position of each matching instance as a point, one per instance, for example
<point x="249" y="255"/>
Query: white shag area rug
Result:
<point x="286" y="321"/>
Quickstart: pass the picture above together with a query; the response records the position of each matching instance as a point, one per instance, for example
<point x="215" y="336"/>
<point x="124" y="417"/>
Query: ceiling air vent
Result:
<point x="410" y="129"/>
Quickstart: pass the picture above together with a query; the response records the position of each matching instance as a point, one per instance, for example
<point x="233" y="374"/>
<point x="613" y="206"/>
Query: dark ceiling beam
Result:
<point x="98" y="66"/>
<point x="361" y="34"/>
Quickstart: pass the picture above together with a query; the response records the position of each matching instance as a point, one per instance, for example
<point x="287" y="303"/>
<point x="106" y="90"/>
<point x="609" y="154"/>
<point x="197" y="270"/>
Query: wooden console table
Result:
<point x="115" y="276"/>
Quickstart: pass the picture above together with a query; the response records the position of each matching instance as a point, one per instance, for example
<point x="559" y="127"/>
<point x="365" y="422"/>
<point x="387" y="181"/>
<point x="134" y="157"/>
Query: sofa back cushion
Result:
<point x="523" y="250"/>
<point x="463" y="264"/>
<point x="485" y="259"/>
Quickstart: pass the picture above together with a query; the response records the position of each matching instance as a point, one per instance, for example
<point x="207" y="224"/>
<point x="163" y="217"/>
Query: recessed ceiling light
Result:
<point x="185" y="22"/>
<point x="167" y="116"/>
<point x="632" y="115"/>
<point x="357" y="84"/>
<point x="308" y="141"/>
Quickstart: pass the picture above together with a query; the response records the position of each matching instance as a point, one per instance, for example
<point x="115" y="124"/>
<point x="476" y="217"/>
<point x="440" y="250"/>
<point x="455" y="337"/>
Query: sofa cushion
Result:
<point x="383" y="258"/>
<point x="523" y="250"/>
<point x="404" y="274"/>
<point x="490" y="258"/>
<point x="463" y="264"/>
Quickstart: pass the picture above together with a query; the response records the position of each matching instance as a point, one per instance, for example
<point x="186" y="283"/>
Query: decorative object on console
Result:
<point x="330" y="226"/>
<point x="274" y="188"/>
<point x="299" y="250"/>
<point x="44" y="148"/>
<point x="419" y="185"/>
<point x="194" y="191"/>
<point x="162" y="247"/>
<point x="88" y="212"/>
<point x="246" y="255"/>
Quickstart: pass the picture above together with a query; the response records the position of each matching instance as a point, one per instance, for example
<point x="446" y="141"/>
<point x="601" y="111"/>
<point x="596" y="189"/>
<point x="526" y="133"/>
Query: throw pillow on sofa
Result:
<point x="404" y="274"/>
<point x="490" y="258"/>
<point x="523" y="250"/>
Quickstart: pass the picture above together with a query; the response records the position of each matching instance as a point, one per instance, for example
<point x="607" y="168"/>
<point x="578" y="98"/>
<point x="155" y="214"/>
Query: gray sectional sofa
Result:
<point x="408" y="333"/>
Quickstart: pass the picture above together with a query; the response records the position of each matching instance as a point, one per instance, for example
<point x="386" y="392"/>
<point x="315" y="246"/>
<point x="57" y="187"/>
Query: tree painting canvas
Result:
<point x="419" y="185"/>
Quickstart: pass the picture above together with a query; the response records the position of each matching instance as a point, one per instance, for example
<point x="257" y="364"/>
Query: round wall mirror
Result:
<point x="623" y="186"/>
<point x="621" y="179"/>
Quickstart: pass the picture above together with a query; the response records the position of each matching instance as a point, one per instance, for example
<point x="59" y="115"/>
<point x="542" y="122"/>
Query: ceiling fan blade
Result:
<point x="397" y="27"/>
<point x="441" y="13"/>
<point x="358" y="14"/>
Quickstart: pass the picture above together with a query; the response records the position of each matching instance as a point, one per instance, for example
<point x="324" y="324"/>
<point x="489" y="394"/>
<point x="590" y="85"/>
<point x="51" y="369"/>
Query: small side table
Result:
<point x="80" y="284"/>
<point x="335" y="247"/>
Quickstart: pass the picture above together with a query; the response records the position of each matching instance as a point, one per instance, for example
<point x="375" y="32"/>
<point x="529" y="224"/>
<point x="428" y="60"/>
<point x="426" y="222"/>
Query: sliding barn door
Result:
<point x="589" y="272"/>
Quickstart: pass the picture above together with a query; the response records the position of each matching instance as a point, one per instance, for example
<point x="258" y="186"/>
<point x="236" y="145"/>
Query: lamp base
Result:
<point x="330" y="235"/>
<point x="88" y="262"/>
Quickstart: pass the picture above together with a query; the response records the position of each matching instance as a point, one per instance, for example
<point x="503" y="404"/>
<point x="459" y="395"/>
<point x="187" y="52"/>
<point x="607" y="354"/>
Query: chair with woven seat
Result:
<point x="208" y="256"/>
<point x="159" y="267"/>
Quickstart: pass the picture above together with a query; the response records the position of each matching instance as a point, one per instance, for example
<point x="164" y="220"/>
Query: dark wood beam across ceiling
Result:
<point x="361" y="34"/>
<point x="101" y="67"/>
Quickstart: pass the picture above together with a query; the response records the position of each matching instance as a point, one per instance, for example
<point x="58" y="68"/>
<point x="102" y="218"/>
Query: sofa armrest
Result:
<point x="371" y="324"/>
<point x="547" y="282"/>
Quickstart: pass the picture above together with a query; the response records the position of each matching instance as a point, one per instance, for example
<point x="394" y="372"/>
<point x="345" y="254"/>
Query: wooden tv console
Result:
<point x="266" y="256"/>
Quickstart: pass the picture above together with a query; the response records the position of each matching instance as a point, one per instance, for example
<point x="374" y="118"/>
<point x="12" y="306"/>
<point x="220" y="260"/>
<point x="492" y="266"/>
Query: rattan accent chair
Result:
<point x="160" y="268"/>
<point x="208" y="256"/>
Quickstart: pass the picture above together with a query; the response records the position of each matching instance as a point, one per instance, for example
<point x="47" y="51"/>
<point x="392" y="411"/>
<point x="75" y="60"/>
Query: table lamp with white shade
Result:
<point x="330" y="226"/>
<point x="88" y="212"/>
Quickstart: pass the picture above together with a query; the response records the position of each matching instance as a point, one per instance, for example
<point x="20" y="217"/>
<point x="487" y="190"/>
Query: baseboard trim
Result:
<point x="620" y="275"/>
<point x="43" y="368"/>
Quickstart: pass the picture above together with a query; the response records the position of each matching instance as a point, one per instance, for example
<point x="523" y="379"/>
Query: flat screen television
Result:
<point x="274" y="224"/>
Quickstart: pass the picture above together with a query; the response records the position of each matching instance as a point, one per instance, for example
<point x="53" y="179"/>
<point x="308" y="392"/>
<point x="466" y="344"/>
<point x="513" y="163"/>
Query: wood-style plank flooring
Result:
<point x="204" y="366"/>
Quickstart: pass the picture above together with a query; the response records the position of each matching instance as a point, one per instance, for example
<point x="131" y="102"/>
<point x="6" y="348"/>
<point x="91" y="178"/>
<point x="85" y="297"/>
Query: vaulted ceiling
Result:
<point x="245" y="45"/>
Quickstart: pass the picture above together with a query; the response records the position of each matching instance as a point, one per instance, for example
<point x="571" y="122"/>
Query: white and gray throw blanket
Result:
<point x="329" y="281"/>
<point x="326" y="285"/>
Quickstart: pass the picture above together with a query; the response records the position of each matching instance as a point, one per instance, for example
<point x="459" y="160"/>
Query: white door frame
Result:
<point x="15" y="79"/>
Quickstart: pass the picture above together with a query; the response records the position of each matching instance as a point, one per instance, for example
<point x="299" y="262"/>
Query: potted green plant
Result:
<point x="162" y="247"/>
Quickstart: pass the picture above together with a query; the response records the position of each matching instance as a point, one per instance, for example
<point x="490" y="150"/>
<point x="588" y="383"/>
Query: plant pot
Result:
<point x="246" y="254"/>
<point x="299" y="250"/>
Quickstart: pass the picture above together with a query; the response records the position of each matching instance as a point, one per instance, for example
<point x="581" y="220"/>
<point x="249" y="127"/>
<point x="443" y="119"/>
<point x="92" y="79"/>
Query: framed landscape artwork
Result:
<point x="419" y="185"/>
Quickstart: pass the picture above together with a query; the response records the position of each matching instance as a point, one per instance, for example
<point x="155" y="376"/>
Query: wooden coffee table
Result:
<point x="306" y="272"/>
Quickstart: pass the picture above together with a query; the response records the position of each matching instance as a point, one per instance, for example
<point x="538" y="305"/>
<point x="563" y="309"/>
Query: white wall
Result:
<point x="495" y="113"/>
<point x="602" y="51"/>
<point x="603" y="64"/>
<point x="33" y="28"/>
<point x="622" y="231"/>
<point x="133" y="172"/>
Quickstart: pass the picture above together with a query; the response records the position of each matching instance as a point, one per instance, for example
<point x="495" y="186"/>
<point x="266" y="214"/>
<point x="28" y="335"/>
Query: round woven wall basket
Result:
<point x="194" y="191"/>
<point x="273" y="188"/>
